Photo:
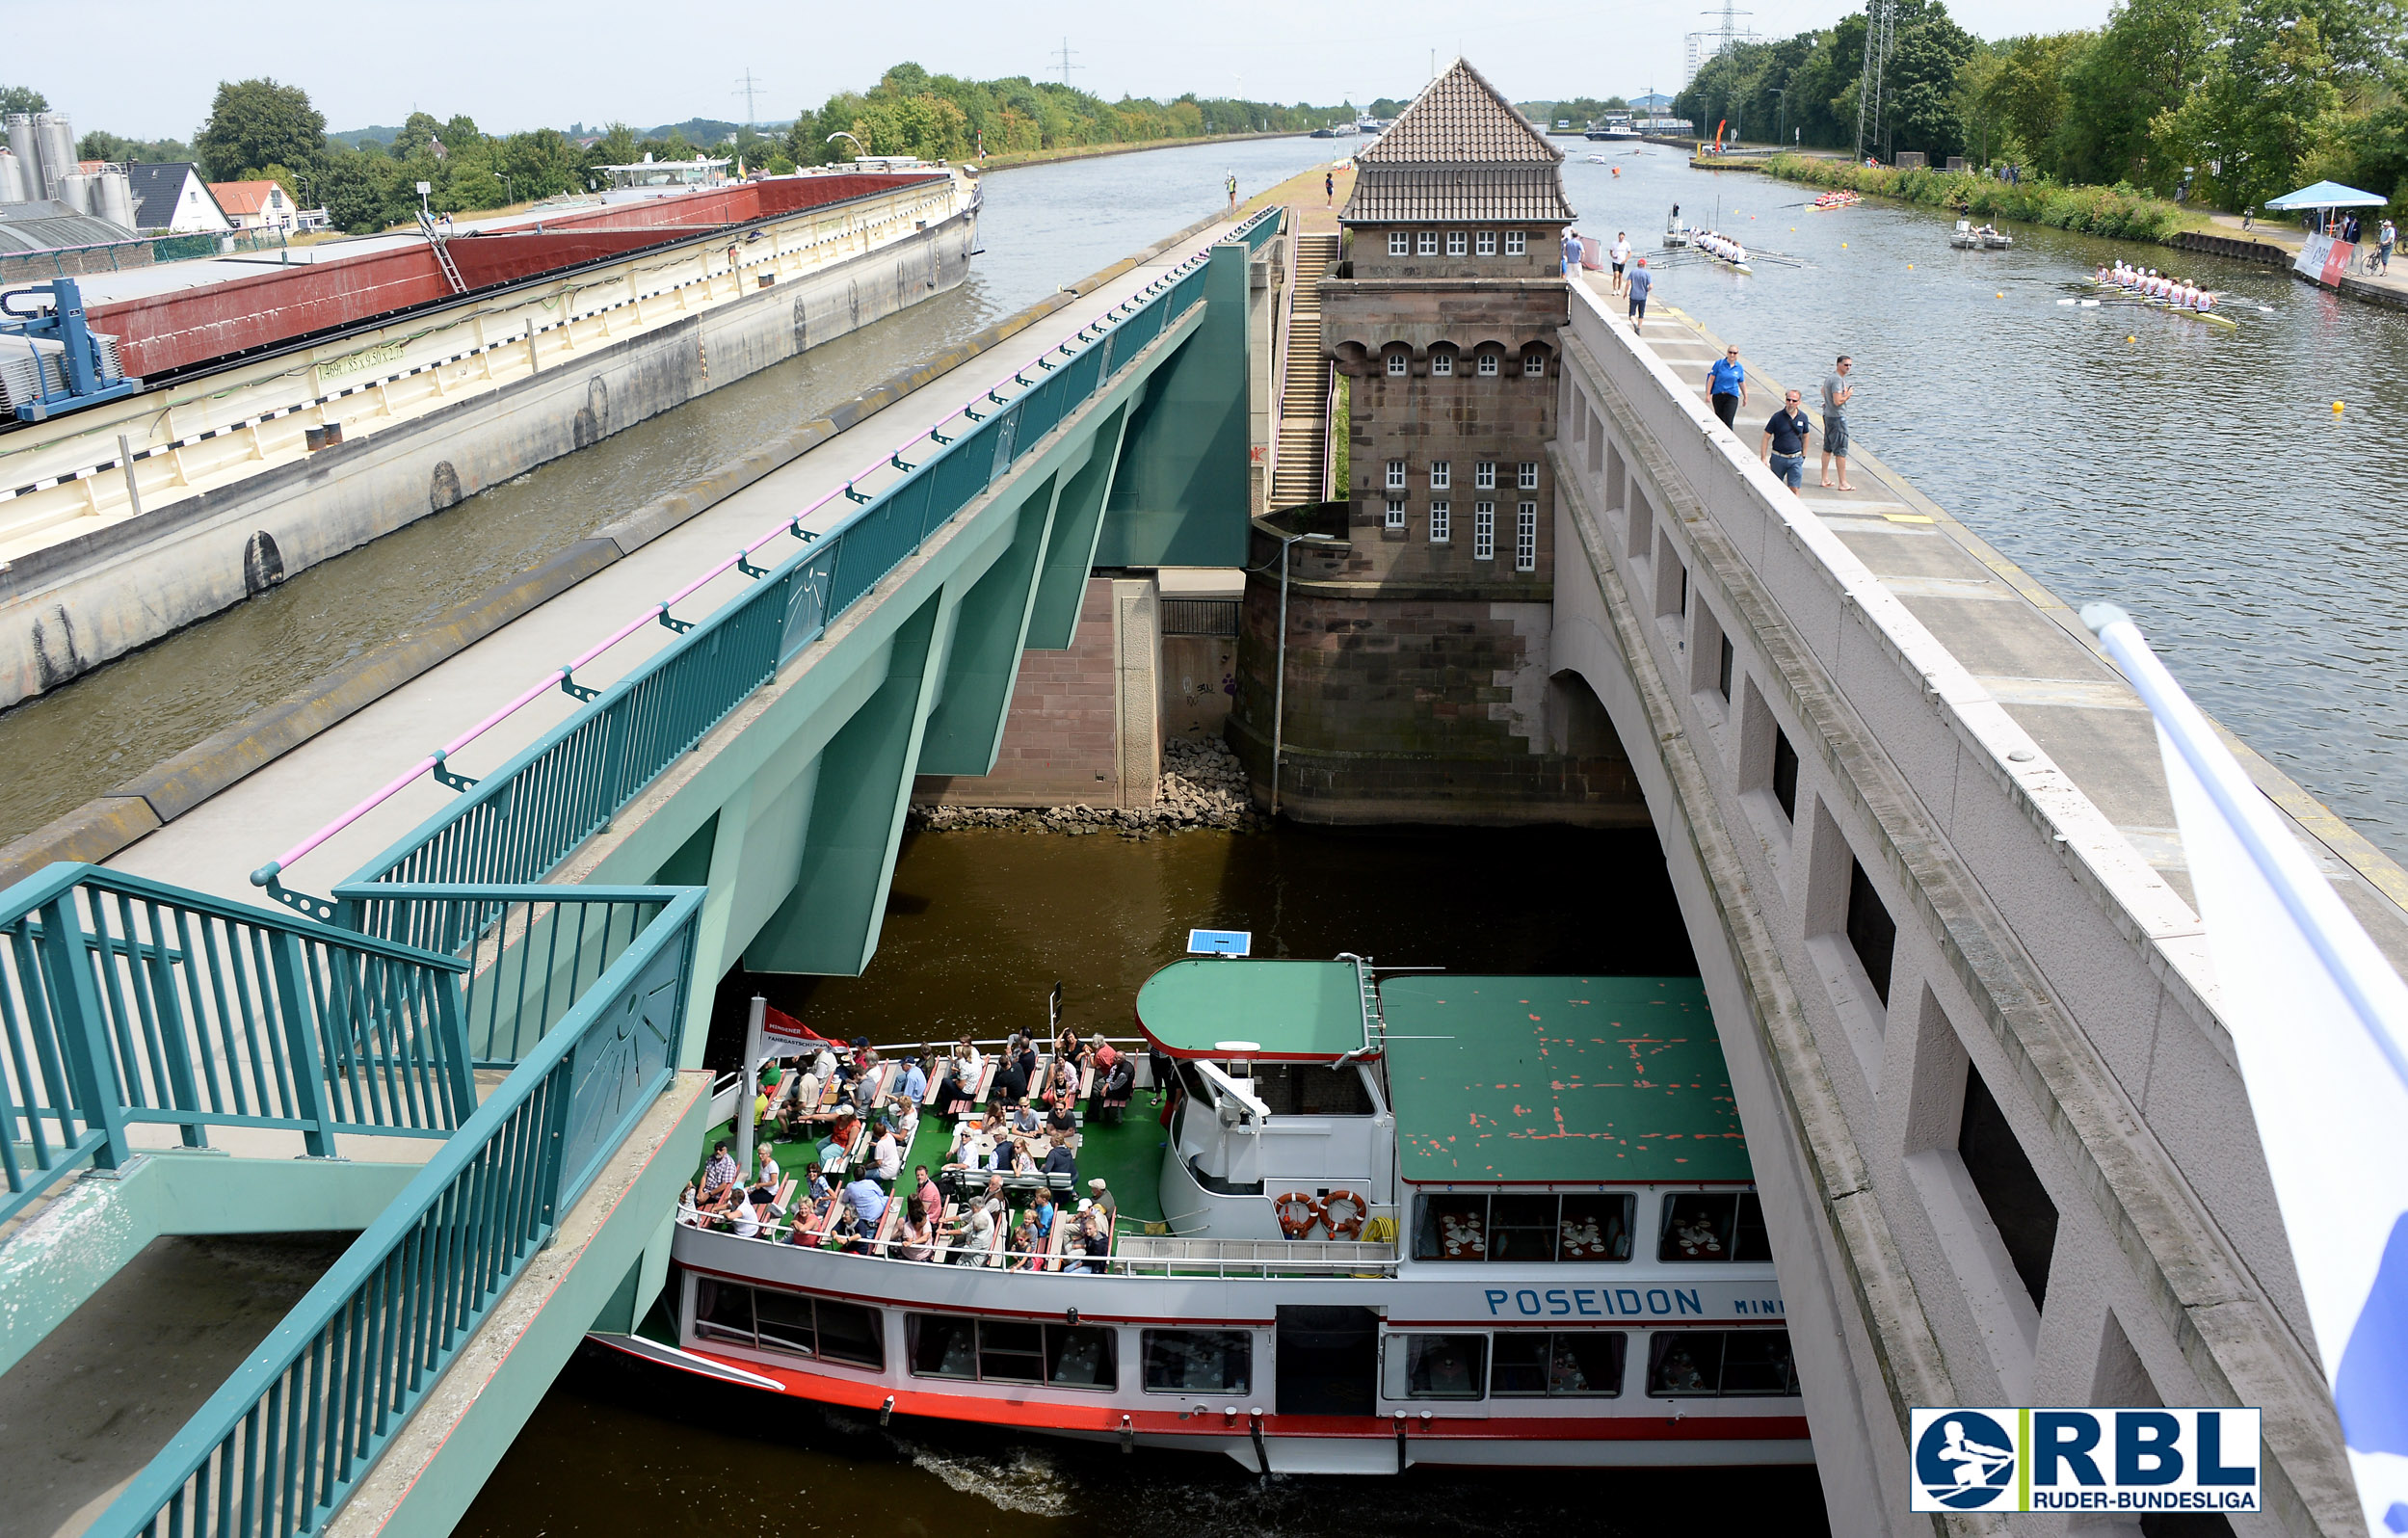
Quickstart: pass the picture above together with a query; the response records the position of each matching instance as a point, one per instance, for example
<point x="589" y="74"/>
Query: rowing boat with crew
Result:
<point x="1330" y="1243"/>
<point x="2146" y="286"/>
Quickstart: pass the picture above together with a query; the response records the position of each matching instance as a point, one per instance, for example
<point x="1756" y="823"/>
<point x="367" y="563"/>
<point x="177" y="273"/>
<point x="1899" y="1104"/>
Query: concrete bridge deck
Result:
<point x="214" y="846"/>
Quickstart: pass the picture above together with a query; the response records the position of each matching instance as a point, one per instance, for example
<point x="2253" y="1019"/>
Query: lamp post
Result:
<point x="1279" y="686"/>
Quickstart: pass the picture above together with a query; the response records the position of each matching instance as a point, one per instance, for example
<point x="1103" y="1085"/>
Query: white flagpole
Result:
<point x="2317" y="1018"/>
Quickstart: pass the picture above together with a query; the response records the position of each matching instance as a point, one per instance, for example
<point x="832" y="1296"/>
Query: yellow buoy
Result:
<point x="1844" y="244"/>
<point x="2337" y="407"/>
<point x="1910" y="267"/>
<point x="2127" y="339"/>
<point x="2003" y="293"/>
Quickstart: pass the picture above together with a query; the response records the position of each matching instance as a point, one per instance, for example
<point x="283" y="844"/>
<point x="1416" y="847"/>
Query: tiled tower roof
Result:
<point x="1461" y="152"/>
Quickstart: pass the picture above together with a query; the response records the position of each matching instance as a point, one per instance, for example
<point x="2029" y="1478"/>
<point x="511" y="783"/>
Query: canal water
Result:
<point x="979" y="928"/>
<point x="1042" y="226"/>
<point x="2199" y="478"/>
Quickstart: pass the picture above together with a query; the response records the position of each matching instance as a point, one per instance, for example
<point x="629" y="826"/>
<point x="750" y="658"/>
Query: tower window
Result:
<point x="1396" y="513"/>
<point x="1484" y="476"/>
<point x="1396" y="363"/>
<point x="1526" y="537"/>
<point x="1396" y="475"/>
<point x="1441" y="522"/>
<point x="1484" y="531"/>
<point x="1457" y="244"/>
<point x="1428" y="243"/>
<point x="1441" y="475"/>
<point x="1516" y="242"/>
<point x="1442" y="366"/>
<point x="1526" y="476"/>
<point x="1487" y="243"/>
<point x="1399" y="242"/>
<point x="1488" y="365"/>
<point x="1534" y="365"/>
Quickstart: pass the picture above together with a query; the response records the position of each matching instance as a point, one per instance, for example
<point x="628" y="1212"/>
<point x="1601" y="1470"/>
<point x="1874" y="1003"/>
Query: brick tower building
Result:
<point x="1417" y="687"/>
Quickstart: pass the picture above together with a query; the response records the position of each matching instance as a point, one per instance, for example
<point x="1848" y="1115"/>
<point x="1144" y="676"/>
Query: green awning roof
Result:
<point x="1561" y="1079"/>
<point x="1286" y="1009"/>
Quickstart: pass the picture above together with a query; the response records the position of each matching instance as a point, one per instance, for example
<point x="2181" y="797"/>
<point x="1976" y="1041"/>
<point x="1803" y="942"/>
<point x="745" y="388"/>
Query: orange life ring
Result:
<point x="1294" y="1227"/>
<point x="1344" y="1227"/>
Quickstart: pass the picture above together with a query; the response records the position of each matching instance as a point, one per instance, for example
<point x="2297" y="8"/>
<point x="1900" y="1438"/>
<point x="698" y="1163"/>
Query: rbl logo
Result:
<point x="2082" y="1458"/>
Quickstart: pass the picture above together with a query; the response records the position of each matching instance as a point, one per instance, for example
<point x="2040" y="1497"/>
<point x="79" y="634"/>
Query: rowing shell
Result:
<point x="2121" y="292"/>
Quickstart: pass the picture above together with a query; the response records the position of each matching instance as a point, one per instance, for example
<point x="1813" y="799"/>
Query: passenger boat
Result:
<point x="1367" y="1219"/>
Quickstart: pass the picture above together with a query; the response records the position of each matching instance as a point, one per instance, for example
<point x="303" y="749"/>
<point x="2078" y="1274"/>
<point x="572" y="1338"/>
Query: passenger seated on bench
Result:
<point x="867" y="1202"/>
<point x="960" y="1079"/>
<point x="919" y="1237"/>
<point x="978" y="1234"/>
<point x="1022" y="1162"/>
<point x="1041" y="1215"/>
<point x="719" y="1177"/>
<point x="1106" y="1207"/>
<point x="1062" y="1161"/>
<point x="902" y="1115"/>
<point x="802" y="1101"/>
<point x="745" y="1216"/>
<point x="688" y="1213"/>
<point x="914" y="1081"/>
<point x="885" y="1155"/>
<point x="1062" y="1121"/>
<point x="1024" y="1125"/>
<point x="768" y="1173"/>
<point x="1120" y="1083"/>
<point x="1011" y="1085"/>
<point x="974" y="1142"/>
<point x="850" y="1234"/>
<point x="1023" y="1245"/>
<point x="815" y="1186"/>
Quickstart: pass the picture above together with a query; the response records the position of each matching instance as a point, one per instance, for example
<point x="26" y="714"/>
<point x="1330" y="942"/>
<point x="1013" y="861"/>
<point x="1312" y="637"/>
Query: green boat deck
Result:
<point x="1127" y="1156"/>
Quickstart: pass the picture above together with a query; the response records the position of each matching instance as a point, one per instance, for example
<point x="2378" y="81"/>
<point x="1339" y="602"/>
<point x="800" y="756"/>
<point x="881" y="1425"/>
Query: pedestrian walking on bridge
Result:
<point x="1641" y="281"/>
<point x="1729" y="388"/>
<point x="1232" y="182"/>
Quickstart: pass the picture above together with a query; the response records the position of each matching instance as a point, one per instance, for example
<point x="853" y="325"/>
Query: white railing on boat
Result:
<point x="1151" y="1255"/>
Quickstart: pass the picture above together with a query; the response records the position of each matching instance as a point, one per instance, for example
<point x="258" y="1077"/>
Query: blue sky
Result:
<point x="533" y="63"/>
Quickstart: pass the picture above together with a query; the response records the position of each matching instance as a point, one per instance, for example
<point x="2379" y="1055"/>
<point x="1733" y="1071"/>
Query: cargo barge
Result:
<point x="293" y="409"/>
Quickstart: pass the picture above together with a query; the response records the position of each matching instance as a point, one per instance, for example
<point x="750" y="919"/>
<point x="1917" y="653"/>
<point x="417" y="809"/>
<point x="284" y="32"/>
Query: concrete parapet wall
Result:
<point x="2034" y="945"/>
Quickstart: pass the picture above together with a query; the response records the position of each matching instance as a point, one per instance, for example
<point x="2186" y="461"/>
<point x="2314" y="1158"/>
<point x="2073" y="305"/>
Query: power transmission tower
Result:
<point x="1880" y="36"/>
<point x="748" y="88"/>
<point x="1063" y="63"/>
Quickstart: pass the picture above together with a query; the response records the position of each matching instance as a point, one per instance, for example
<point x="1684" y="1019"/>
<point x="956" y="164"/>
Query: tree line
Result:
<point x="266" y="130"/>
<point x="2227" y="101"/>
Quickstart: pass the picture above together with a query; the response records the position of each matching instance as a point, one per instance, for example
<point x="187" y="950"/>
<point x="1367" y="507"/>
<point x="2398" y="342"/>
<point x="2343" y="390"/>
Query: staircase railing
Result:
<point x="125" y="1002"/>
<point x="277" y="1449"/>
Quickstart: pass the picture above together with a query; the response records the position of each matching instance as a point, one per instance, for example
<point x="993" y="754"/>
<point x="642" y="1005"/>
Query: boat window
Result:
<point x="1560" y="1363"/>
<point x="1312" y="1089"/>
<point x="1525" y="1228"/>
<point x="785" y="1323"/>
<point x="1196" y="1361"/>
<point x="1720" y="1364"/>
<point x="1713" y="1225"/>
<point x="1079" y="1357"/>
<point x="850" y="1333"/>
<point x="1433" y="1366"/>
<point x="723" y="1311"/>
<point x="945" y="1345"/>
<point x="1011" y="1352"/>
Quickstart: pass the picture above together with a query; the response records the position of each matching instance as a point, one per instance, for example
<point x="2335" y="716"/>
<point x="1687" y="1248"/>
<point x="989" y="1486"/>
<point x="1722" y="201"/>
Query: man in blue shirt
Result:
<point x="1783" y="446"/>
<point x="868" y="1201"/>
<point x="1641" y="281"/>
<point x="1730" y="388"/>
<point x="914" y="1082"/>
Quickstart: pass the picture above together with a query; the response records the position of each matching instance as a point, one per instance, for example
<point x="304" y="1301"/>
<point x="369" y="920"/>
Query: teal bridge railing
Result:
<point x="519" y="822"/>
<point x="124" y="1002"/>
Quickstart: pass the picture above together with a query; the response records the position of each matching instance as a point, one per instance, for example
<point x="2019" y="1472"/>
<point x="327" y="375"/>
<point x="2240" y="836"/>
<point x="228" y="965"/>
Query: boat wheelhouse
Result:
<point x="1363" y="1220"/>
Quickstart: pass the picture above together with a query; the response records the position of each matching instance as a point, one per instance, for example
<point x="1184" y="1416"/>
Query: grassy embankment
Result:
<point x="1005" y="160"/>
<point x="2117" y="212"/>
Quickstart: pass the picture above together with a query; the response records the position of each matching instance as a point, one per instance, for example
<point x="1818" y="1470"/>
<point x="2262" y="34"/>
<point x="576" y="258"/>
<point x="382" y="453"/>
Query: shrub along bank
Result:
<point x="2119" y="211"/>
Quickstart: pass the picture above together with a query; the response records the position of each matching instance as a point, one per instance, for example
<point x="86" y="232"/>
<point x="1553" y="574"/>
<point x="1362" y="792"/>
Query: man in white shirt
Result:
<point x="746" y="1217"/>
<point x="1619" y="252"/>
<point x="977" y="1238"/>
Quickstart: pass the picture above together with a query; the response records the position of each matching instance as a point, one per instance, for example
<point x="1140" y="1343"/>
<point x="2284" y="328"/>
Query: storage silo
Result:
<point x="112" y="198"/>
<point x="27" y="147"/>
<point x="59" y="159"/>
<point x="74" y="188"/>
<point x="12" y="188"/>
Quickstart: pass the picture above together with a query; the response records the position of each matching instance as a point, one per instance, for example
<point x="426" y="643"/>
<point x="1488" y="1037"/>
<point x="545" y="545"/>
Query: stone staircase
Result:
<point x="1304" y="401"/>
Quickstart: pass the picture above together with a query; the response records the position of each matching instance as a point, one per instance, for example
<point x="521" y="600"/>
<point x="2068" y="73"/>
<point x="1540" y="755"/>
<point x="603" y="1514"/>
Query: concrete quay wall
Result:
<point x="2034" y="947"/>
<point x="87" y="600"/>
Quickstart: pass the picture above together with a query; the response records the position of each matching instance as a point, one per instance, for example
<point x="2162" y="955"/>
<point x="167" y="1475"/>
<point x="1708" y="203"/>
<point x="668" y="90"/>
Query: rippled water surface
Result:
<point x="1042" y="226"/>
<point x="2198" y="477"/>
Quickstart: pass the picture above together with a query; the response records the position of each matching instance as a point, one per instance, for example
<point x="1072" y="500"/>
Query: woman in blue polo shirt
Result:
<point x="1730" y="388"/>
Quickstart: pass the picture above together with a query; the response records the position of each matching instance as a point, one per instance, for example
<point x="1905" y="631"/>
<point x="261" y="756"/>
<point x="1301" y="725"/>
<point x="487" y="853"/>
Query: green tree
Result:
<point x="2021" y="99"/>
<point x="1921" y="110"/>
<point x="2268" y="101"/>
<point x="2146" y="61"/>
<point x="259" y="122"/>
<point x="23" y="98"/>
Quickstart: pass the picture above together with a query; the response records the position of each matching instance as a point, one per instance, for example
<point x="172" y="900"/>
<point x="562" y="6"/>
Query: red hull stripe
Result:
<point x="1049" y="1416"/>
